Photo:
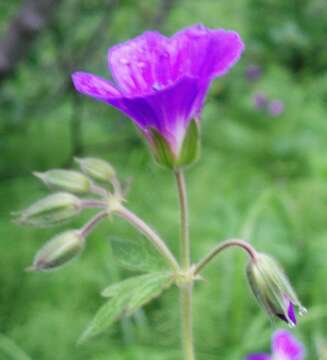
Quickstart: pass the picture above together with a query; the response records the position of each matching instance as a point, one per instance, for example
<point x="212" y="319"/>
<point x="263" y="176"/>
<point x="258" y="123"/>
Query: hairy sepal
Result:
<point x="188" y="153"/>
<point x="190" y="149"/>
<point x="162" y="151"/>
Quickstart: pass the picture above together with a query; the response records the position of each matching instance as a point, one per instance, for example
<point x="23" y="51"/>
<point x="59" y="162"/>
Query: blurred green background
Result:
<point x="261" y="177"/>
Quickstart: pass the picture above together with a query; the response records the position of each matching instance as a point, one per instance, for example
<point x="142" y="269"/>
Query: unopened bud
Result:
<point x="272" y="288"/>
<point x="50" y="210"/>
<point x="97" y="168"/>
<point x="58" y="251"/>
<point x="67" y="180"/>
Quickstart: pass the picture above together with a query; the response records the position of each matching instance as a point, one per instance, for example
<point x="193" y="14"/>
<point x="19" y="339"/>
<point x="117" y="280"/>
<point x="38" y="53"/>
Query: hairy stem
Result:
<point x="88" y="227"/>
<point x="186" y="290"/>
<point x="91" y="203"/>
<point x="145" y="229"/>
<point x="222" y="246"/>
<point x="184" y="233"/>
<point x="186" y="315"/>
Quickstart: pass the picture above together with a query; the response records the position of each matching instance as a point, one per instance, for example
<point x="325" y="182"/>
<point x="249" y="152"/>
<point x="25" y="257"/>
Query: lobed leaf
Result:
<point x="137" y="256"/>
<point x="125" y="298"/>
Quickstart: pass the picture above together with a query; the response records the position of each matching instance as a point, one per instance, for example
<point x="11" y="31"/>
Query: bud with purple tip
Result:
<point x="58" y="251"/>
<point x="272" y="288"/>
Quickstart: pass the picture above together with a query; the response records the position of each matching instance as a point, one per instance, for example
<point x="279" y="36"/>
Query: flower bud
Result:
<point x="272" y="288"/>
<point x="58" y="251"/>
<point x="67" y="180"/>
<point x="51" y="210"/>
<point x="97" y="168"/>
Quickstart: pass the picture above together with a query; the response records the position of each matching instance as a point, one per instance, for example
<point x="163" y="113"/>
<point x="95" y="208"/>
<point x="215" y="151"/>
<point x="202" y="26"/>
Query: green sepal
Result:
<point x="190" y="149"/>
<point x="162" y="150"/>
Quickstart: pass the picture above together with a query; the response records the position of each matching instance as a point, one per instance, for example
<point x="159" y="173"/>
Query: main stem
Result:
<point x="186" y="289"/>
<point x="186" y="317"/>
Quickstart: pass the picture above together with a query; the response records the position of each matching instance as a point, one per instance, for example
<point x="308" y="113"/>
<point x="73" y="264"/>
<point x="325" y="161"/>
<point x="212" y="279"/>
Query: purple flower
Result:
<point x="273" y="107"/>
<point x="284" y="347"/>
<point x="276" y="107"/>
<point x="253" y="73"/>
<point x="160" y="82"/>
<point x="260" y="101"/>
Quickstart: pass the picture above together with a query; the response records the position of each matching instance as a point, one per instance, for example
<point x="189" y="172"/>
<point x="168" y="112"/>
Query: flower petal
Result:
<point x="94" y="86"/>
<point x="286" y="346"/>
<point x="140" y="64"/>
<point x="291" y="313"/>
<point x="260" y="356"/>
<point x="205" y="53"/>
<point x="153" y="60"/>
<point x="168" y="111"/>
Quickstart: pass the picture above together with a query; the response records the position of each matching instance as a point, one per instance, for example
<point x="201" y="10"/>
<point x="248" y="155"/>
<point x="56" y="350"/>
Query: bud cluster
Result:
<point x="66" y="203"/>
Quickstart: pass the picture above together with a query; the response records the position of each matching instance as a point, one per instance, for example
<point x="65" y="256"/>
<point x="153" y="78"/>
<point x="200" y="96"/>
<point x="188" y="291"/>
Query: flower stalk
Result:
<point x="222" y="246"/>
<point x="186" y="289"/>
<point x="93" y="204"/>
<point x="146" y="230"/>
<point x="88" y="227"/>
<point x="184" y="222"/>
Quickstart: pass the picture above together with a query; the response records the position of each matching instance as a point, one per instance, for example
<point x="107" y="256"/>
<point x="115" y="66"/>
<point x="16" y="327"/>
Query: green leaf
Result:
<point x="191" y="145"/>
<point x="162" y="150"/>
<point x="125" y="298"/>
<point x="137" y="255"/>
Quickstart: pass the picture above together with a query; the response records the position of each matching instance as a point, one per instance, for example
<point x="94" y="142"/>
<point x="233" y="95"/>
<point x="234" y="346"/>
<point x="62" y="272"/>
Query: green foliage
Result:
<point x="125" y="298"/>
